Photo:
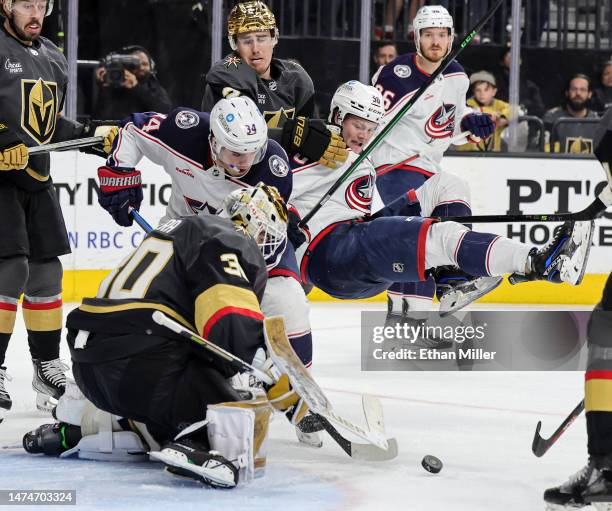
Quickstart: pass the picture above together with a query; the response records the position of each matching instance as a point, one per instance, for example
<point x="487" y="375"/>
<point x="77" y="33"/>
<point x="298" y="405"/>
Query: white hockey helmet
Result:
<point x="238" y="135"/>
<point x="8" y="5"/>
<point x="358" y="99"/>
<point x="261" y="212"/>
<point x="432" y="16"/>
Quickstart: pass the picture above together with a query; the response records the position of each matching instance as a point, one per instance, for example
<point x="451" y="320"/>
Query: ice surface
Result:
<point x="479" y="424"/>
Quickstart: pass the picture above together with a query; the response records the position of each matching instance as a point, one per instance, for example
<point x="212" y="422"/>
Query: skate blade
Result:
<point x="462" y="296"/>
<point x="574" y="267"/>
<point x="45" y="403"/>
<point x="309" y="439"/>
<point x="179" y="466"/>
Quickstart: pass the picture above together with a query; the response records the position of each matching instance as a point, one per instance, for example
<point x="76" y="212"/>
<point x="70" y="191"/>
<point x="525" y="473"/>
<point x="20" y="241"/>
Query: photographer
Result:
<point x="128" y="83"/>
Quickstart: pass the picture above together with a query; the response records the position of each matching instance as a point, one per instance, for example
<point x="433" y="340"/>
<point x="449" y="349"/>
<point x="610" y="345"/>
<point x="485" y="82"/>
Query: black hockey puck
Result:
<point x="431" y="464"/>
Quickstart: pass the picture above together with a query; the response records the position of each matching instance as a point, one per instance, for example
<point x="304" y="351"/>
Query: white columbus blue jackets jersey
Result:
<point x="353" y="200"/>
<point x="179" y="143"/>
<point x="432" y="120"/>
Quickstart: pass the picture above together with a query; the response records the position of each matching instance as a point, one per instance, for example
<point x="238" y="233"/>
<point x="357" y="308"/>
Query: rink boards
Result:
<point x="499" y="185"/>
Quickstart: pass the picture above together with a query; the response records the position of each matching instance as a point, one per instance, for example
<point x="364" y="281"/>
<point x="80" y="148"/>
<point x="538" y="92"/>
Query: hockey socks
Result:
<point x="8" y="312"/>
<point x="43" y="319"/>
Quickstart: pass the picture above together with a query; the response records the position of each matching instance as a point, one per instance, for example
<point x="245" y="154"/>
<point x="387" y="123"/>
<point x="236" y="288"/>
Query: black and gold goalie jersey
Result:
<point x="197" y="270"/>
<point x="288" y="94"/>
<point x="33" y="82"/>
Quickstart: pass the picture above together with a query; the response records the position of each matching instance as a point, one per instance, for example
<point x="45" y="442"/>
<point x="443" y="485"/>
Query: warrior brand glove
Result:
<point x="119" y="189"/>
<point x="316" y="143"/>
<point x="283" y="398"/>
<point x="13" y="152"/>
<point x="478" y="124"/>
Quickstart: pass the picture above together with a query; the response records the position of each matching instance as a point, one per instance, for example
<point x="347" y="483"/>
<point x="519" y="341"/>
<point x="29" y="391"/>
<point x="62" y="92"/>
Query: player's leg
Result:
<point x="593" y="483"/>
<point x="42" y="306"/>
<point x="42" y="314"/>
<point x="404" y="296"/>
<point x="14" y="250"/>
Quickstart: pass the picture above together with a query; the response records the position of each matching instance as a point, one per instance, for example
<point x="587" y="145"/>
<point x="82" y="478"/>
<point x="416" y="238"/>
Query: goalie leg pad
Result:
<point x="239" y="432"/>
<point x="104" y="439"/>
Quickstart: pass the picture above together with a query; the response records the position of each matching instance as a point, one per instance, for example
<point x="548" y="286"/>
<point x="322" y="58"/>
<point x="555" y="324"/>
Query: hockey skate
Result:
<point x="456" y="289"/>
<point x="5" y="398"/>
<point x="52" y="439"/>
<point x="564" y="258"/>
<point x="49" y="381"/>
<point x="189" y="458"/>
<point x="307" y="431"/>
<point x="590" y="485"/>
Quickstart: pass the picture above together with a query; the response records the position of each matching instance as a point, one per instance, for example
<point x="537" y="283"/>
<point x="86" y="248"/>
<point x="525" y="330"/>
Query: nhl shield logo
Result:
<point x="398" y="267"/>
<point x="39" y="109"/>
<point x="442" y="123"/>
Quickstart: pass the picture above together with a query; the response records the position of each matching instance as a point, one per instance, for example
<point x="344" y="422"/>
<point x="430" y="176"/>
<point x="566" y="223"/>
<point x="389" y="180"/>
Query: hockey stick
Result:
<point x="240" y="365"/>
<point x="67" y="145"/>
<point x="146" y="226"/>
<point x="541" y="445"/>
<point x="358" y="451"/>
<point x="376" y="141"/>
<point x="591" y="212"/>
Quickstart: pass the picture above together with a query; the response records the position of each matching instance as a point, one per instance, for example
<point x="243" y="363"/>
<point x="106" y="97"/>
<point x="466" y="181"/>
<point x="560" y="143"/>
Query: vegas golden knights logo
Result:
<point x="38" y="109"/>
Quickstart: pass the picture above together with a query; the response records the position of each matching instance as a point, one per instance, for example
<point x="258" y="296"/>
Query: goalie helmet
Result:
<point x="261" y="212"/>
<point x="250" y="17"/>
<point x="237" y="127"/>
<point x="432" y="16"/>
<point x="355" y="98"/>
<point x="8" y="5"/>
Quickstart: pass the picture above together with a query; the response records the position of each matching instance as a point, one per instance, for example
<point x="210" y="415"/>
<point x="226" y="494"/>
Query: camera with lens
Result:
<point x="115" y="64"/>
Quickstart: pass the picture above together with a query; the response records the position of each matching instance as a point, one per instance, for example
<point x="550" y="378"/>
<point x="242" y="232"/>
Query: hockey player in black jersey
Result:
<point x="33" y="86"/>
<point x="281" y="88"/>
<point x="203" y="272"/>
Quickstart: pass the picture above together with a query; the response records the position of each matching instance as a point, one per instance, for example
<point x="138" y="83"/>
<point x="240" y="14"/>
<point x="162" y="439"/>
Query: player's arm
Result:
<point x="13" y="152"/>
<point x="120" y="183"/>
<point x="228" y="279"/>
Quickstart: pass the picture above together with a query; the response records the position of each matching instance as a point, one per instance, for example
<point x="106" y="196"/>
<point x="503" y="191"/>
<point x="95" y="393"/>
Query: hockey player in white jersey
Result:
<point x="348" y="255"/>
<point x="440" y="114"/>
<point x="207" y="157"/>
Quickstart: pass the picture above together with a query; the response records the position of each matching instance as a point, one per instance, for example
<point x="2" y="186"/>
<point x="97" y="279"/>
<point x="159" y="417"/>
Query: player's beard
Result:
<point x="439" y="57"/>
<point x="21" y="34"/>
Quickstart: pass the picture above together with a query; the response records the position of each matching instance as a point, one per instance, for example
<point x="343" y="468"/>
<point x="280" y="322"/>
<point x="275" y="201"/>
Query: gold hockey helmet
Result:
<point x="251" y="16"/>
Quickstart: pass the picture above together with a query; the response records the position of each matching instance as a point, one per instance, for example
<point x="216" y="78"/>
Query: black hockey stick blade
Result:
<point x="358" y="451"/>
<point x="541" y="445"/>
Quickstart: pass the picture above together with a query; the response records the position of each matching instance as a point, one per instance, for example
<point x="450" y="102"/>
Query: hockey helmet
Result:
<point x="250" y="17"/>
<point x="238" y="135"/>
<point x="432" y="16"/>
<point x="357" y="99"/>
<point x="8" y="5"/>
<point x="261" y="212"/>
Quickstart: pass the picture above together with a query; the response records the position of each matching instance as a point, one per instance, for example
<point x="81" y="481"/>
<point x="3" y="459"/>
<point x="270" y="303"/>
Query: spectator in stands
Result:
<point x="393" y="9"/>
<point x="484" y="90"/>
<point x="602" y="96"/>
<point x="126" y="87"/>
<point x="530" y="97"/>
<point x="385" y="53"/>
<point x="572" y="137"/>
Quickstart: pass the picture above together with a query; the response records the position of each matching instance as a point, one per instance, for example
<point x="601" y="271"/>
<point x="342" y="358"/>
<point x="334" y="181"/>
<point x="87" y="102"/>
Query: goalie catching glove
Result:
<point x="317" y="143"/>
<point x="13" y="152"/>
<point x="119" y="190"/>
<point x="283" y="398"/>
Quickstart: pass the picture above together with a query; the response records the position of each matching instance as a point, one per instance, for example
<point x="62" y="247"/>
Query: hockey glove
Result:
<point x="297" y="236"/>
<point x="120" y="189"/>
<point x="96" y="129"/>
<point x="283" y="398"/>
<point x="478" y="124"/>
<point x="317" y="143"/>
<point x="13" y="152"/>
